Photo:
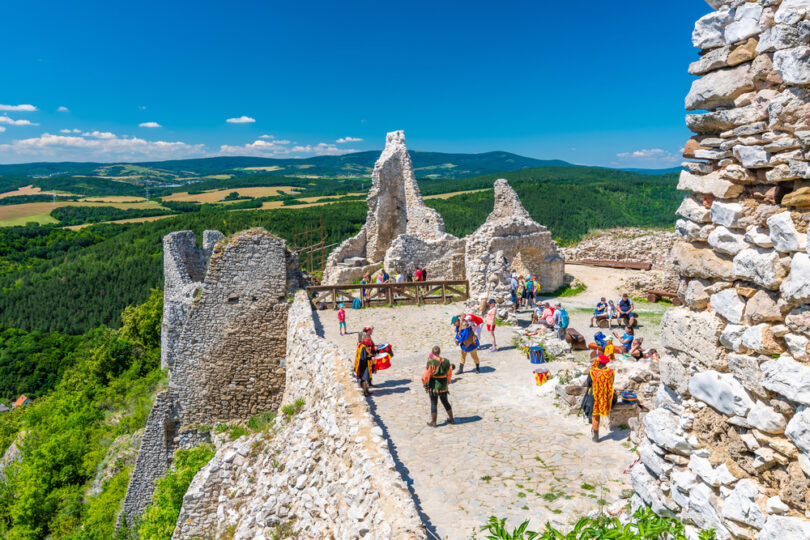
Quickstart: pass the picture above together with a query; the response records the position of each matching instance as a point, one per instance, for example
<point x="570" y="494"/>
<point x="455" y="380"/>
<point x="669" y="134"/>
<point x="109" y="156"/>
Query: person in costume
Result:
<point x="364" y="361"/>
<point x="600" y="384"/>
<point x="439" y="372"/>
<point x="466" y="340"/>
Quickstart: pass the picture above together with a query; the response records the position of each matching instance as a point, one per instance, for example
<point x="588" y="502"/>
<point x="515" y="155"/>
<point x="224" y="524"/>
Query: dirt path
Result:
<point x="513" y="453"/>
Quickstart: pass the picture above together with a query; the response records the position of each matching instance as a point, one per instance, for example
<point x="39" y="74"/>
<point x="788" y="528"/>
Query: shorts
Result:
<point x="490" y="328"/>
<point x="599" y="313"/>
<point x="342" y="324"/>
<point x="628" y="315"/>
<point x="514" y="297"/>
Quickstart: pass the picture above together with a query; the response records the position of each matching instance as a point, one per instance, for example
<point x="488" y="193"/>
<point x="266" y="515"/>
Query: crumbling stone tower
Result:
<point x="728" y="445"/>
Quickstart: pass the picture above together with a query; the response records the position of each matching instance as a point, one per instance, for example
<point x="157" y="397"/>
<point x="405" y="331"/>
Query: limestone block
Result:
<point x="719" y="88"/>
<point x="760" y="338"/>
<point x="798" y="320"/>
<point x="797" y="346"/>
<point x="668" y="399"/>
<point x="674" y="373"/>
<point x="793" y="65"/>
<point x="695" y="295"/>
<point x="746" y="370"/>
<point x="726" y="241"/>
<point x="694" y="333"/>
<point x="657" y="465"/>
<point x="714" y="59"/>
<point x="725" y="119"/>
<point x="783" y="233"/>
<point x="752" y="156"/>
<point x="783" y="527"/>
<point x="691" y="231"/>
<point x="702" y="511"/>
<point x="690" y="261"/>
<point x="714" y="476"/>
<point x="727" y="213"/>
<point x="766" y="418"/>
<point x="741" y="505"/>
<point x="789" y="111"/>
<point x="663" y="428"/>
<point x="787" y="377"/>
<point x="759" y="236"/>
<point x="762" y="307"/>
<point x="646" y="487"/>
<point x="781" y="173"/>
<point x="791" y="11"/>
<point x="745" y="23"/>
<point x="743" y="53"/>
<point x="709" y="29"/>
<point x="694" y="211"/>
<point x="798" y="430"/>
<point x="782" y="36"/>
<point x="761" y="266"/>
<point x="796" y="287"/>
<point x="731" y="337"/>
<point x="729" y="305"/>
<point x="722" y="391"/>
<point x="774" y="505"/>
<point x="710" y="183"/>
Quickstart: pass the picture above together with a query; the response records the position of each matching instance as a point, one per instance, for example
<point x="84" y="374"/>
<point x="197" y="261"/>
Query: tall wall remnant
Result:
<point x="728" y="446"/>
<point x="399" y="228"/>
<point x="509" y="239"/>
<point x="223" y="342"/>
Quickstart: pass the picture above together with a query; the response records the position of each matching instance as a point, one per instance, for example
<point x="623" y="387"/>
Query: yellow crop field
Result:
<point x="454" y="193"/>
<point x="20" y="214"/>
<point x="219" y="194"/>
<point x="266" y="169"/>
<point x="113" y="199"/>
<point x="29" y="190"/>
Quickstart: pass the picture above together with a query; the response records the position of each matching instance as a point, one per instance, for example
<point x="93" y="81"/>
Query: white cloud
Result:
<point x="280" y="148"/>
<point x="63" y="109"/>
<point x="95" y="146"/>
<point x="321" y="149"/>
<point x="2" y="129"/>
<point x="241" y="120"/>
<point x="70" y="131"/>
<point x="348" y="139"/>
<point x="22" y="108"/>
<point x="149" y="125"/>
<point x="649" y="155"/>
<point x="6" y="120"/>
<point x="266" y="137"/>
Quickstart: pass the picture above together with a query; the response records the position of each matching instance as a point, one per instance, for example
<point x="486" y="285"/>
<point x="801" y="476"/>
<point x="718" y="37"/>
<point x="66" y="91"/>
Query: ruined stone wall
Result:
<point x="509" y="239"/>
<point x="327" y="473"/>
<point x="229" y="357"/>
<point x="728" y="445"/>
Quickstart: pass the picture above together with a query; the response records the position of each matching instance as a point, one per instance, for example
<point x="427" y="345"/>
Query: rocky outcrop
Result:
<point x="510" y="239"/>
<point x="326" y="474"/>
<point x="626" y="244"/>
<point x="399" y="230"/>
<point x="737" y="352"/>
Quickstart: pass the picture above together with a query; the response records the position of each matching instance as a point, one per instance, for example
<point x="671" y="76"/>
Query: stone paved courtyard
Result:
<point x="513" y="453"/>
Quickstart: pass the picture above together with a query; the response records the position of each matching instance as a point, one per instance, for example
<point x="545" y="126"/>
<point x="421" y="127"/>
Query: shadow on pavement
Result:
<point x="468" y="419"/>
<point x="393" y="382"/>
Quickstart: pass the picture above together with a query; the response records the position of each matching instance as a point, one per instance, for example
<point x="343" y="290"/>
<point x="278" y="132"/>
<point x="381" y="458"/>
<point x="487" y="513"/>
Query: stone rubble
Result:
<point x="736" y="370"/>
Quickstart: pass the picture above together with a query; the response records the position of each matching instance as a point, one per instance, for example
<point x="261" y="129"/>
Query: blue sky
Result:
<point x="590" y="82"/>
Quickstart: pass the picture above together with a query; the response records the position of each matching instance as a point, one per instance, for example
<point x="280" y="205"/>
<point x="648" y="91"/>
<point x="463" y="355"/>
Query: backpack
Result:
<point x="357" y="303"/>
<point x="563" y="318"/>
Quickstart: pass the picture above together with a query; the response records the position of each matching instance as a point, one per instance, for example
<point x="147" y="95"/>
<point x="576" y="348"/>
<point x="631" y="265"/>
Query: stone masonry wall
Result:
<point x="327" y="473"/>
<point x="728" y="444"/>
<point x="229" y="356"/>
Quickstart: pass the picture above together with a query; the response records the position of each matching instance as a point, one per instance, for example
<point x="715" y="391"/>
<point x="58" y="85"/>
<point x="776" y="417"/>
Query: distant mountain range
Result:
<point x="358" y="164"/>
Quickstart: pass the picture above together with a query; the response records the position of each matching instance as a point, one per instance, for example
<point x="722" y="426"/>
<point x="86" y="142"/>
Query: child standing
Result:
<point x="491" y="323"/>
<point x="342" y="320"/>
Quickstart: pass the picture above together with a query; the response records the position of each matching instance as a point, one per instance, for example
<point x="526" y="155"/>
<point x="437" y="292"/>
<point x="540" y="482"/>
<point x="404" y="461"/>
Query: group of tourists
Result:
<point x="608" y="311"/>
<point x="554" y="317"/>
<point x="524" y="290"/>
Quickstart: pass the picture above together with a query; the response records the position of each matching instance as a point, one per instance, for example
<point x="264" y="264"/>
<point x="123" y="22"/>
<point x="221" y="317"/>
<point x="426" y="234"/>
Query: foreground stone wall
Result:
<point x="327" y="473"/>
<point x="728" y="446"/>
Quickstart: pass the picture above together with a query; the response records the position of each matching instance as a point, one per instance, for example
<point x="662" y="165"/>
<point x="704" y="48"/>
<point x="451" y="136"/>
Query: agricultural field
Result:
<point x="39" y="212"/>
<point x="218" y="195"/>
<point x="30" y="190"/>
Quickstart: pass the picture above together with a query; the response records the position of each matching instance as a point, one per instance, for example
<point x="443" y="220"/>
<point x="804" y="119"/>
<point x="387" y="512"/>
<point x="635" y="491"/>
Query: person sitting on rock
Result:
<point x="547" y="317"/>
<point x="600" y="312"/>
<point x="636" y="350"/>
<point x="626" y="340"/>
<point x="613" y="313"/>
<point x="626" y="308"/>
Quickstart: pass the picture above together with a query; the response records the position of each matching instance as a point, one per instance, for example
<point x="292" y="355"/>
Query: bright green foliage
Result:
<point x="262" y="421"/>
<point x="160" y="517"/>
<point x="645" y="525"/>
<point x="104" y="392"/>
<point x="293" y="409"/>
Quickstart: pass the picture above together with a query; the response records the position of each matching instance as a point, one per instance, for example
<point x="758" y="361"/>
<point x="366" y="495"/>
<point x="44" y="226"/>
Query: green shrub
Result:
<point x="262" y="421"/>
<point x="293" y="409"/>
<point x="160" y="517"/>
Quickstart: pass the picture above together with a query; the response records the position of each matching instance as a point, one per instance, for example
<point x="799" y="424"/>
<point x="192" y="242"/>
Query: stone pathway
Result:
<point x="513" y="454"/>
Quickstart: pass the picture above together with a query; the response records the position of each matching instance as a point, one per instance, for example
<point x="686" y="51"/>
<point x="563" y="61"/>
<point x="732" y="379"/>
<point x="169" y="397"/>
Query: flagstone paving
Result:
<point x="513" y="454"/>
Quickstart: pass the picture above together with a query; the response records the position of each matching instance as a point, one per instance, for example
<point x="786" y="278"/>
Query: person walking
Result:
<point x="491" y="314"/>
<point x="466" y="340"/>
<point x="341" y="319"/>
<point x="364" y="361"/>
<point x="600" y="384"/>
<point x="560" y="321"/>
<point x="513" y="287"/>
<point x="438" y="373"/>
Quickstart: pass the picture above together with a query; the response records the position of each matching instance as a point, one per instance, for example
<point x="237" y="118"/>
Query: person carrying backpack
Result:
<point x="466" y="340"/>
<point x="436" y="379"/>
<point x="560" y="321"/>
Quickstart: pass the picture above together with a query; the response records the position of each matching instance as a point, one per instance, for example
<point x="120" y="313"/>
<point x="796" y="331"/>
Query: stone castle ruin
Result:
<point x="401" y="233"/>
<point x="728" y="445"/>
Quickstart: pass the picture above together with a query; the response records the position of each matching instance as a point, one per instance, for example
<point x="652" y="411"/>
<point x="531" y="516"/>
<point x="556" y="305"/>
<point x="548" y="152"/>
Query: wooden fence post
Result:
<point x="390" y="292"/>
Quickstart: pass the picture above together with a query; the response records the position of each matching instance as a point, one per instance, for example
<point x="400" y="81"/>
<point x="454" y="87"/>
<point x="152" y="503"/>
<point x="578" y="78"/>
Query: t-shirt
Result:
<point x="400" y="278"/>
<point x="629" y="343"/>
<point x="342" y="315"/>
<point x="514" y="284"/>
<point x="491" y="316"/>
<point x="600" y="307"/>
<point x="625" y="305"/>
<point x="530" y="285"/>
<point x="418" y="275"/>
<point x="475" y="319"/>
<point x="548" y="316"/>
<point x="385" y="276"/>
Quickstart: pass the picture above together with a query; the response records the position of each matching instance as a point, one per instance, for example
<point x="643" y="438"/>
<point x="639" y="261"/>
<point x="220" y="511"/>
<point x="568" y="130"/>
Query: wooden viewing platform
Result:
<point x="410" y="292"/>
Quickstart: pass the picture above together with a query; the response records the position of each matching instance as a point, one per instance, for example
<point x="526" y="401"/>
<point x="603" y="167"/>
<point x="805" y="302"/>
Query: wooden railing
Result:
<point x="390" y="294"/>
<point x="630" y="265"/>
